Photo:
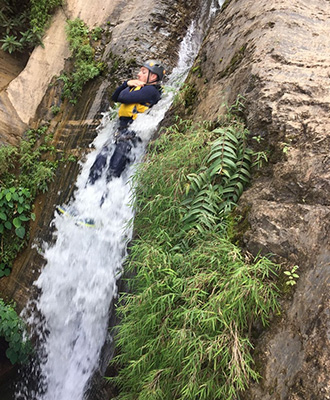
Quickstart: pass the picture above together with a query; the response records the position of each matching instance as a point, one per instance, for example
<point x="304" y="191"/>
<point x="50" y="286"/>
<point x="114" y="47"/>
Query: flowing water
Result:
<point x="78" y="282"/>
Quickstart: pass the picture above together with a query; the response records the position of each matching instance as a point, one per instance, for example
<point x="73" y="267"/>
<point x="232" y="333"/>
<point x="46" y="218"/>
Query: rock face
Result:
<point x="277" y="55"/>
<point x="44" y="63"/>
<point x="10" y="124"/>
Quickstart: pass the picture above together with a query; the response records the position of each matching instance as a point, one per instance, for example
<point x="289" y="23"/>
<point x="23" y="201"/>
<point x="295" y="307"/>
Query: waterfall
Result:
<point x="78" y="282"/>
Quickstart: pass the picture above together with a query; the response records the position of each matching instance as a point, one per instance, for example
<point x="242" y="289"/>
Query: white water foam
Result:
<point x="78" y="283"/>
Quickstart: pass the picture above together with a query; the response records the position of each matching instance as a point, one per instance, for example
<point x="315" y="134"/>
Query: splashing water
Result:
<point x="78" y="283"/>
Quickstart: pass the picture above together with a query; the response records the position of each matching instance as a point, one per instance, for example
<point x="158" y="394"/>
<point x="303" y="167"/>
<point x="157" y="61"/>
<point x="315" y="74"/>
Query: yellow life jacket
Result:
<point x="132" y="110"/>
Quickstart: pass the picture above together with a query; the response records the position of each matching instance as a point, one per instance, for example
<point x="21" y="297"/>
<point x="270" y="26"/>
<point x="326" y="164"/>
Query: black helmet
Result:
<point x="155" y="67"/>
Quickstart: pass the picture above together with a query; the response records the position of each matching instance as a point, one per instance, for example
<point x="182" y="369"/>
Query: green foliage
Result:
<point x="97" y="33"/>
<point x="55" y="110"/>
<point x="36" y="171"/>
<point x="77" y="32"/>
<point x="215" y="189"/>
<point x="185" y="330"/>
<point x="292" y="276"/>
<point x="40" y="12"/>
<point x="185" y="327"/>
<point x="10" y="44"/>
<point x="8" y="157"/>
<point x="187" y="96"/>
<point x="24" y="172"/>
<point x="22" y="23"/>
<point x="85" y="67"/>
<point x="14" y="209"/>
<point x="12" y="330"/>
<point x="286" y="146"/>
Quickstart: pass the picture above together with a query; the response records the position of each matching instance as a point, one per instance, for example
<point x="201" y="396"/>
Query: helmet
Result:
<point x="155" y="67"/>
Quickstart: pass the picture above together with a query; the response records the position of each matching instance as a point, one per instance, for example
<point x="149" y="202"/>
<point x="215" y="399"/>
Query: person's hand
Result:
<point x="135" y="83"/>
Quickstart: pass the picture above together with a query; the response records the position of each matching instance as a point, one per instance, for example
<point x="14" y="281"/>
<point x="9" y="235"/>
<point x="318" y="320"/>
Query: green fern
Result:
<point x="202" y="208"/>
<point x="214" y="191"/>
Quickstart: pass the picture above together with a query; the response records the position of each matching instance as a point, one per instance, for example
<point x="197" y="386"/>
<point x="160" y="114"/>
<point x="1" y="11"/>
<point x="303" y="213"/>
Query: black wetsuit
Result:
<point x="137" y="100"/>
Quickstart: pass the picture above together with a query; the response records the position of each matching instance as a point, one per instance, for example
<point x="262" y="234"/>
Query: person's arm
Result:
<point x="117" y="92"/>
<point x="131" y="83"/>
<point x="147" y="94"/>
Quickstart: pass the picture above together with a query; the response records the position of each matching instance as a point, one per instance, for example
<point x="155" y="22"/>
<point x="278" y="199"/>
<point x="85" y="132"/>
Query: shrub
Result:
<point x="24" y="172"/>
<point x="85" y="67"/>
<point x="22" y="23"/>
<point x="12" y="330"/>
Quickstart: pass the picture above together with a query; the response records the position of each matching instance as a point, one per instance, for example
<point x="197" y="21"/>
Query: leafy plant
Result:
<point x="22" y="23"/>
<point x="85" y="67"/>
<point x="55" y="110"/>
<point x="97" y="33"/>
<point x="12" y="330"/>
<point x="292" y="276"/>
<point x="36" y="170"/>
<point x="11" y="44"/>
<point x="185" y="329"/>
<point x="215" y="189"/>
<point x="286" y="146"/>
<point x="8" y="158"/>
<point x="236" y="109"/>
<point x="15" y="209"/>
<point x="40" y="12"/>
<point x="24" y="172"/>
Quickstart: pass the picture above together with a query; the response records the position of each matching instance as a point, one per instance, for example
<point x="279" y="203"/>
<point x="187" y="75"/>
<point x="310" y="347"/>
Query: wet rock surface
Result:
<point x="276" y="54"/>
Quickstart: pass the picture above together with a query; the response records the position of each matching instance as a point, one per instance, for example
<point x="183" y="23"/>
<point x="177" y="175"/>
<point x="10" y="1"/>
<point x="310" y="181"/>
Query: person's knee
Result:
<point x="99" y="162"/>
<point x="118" y="160"/>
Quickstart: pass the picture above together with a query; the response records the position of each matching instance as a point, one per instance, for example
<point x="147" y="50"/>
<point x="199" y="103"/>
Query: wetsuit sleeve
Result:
<point x="146" y="95"/>
<point x="117" y="92"/>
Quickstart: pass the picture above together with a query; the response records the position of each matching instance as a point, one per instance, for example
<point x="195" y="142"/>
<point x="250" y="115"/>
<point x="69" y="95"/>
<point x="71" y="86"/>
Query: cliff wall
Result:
<point x="276" y="54"/>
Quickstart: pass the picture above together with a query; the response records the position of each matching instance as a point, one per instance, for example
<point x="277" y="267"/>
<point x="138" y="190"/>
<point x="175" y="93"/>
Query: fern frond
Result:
<point x="202" y="210"/>
<point x="216" y="188"/>
<point x="198" y="181"/>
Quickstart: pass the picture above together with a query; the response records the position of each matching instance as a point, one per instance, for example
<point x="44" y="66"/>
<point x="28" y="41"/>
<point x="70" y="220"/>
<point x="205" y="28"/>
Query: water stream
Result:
<point x="78" y="282"/>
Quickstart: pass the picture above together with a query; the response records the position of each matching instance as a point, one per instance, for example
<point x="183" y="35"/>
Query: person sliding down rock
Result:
<point x="136" y="96"/>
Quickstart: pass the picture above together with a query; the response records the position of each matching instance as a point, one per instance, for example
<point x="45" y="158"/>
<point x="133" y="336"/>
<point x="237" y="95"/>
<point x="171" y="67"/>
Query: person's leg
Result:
<point x="98" y="166"/>
<point x="119" y="159"/>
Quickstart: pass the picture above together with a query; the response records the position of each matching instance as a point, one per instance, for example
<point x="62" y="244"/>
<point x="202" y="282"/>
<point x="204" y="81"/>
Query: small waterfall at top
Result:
<point x="78" y="283"/>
